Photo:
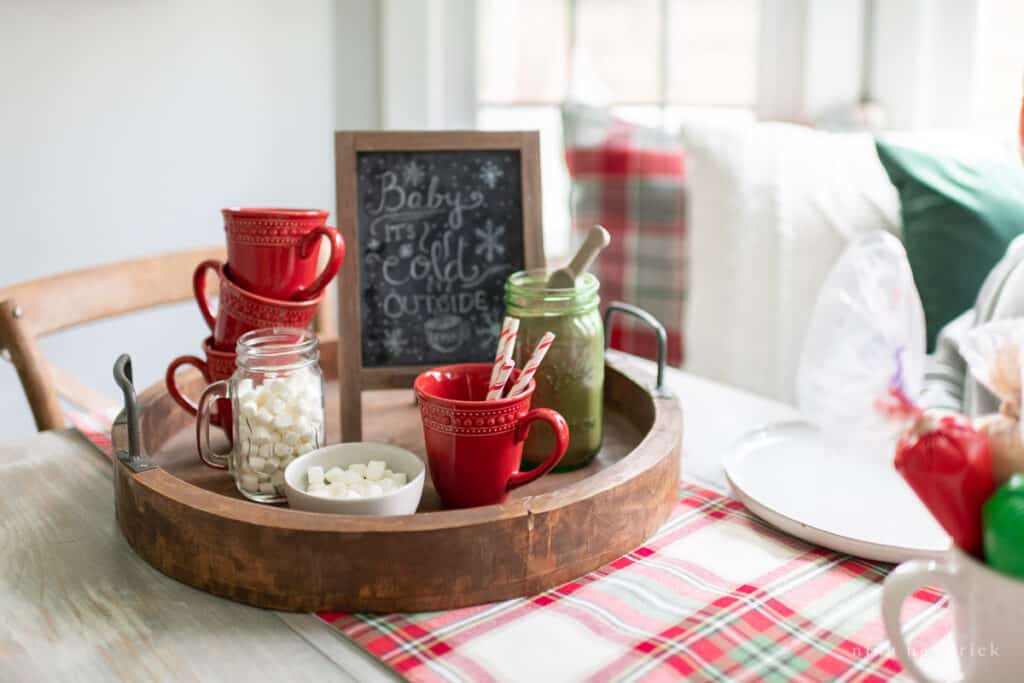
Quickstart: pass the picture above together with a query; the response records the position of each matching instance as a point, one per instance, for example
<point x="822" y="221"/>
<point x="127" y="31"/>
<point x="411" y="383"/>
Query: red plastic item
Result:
<point x="949" y="465"/>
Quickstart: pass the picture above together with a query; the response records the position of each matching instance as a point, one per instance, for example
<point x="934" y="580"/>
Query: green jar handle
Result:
<point x="649" y="320"/>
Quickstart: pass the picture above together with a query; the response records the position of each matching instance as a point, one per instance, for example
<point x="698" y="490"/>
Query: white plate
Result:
<point x="785" y="476"/>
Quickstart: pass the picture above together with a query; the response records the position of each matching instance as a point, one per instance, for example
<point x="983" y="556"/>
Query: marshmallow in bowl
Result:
<point x="359" y="480"/>
<point x="279" y="420"/>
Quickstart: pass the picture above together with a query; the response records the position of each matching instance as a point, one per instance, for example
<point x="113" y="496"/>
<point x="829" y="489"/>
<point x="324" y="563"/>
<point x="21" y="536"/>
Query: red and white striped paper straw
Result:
<point x="530" y="369"/>
<point x="506" y="346"/>
<point x="497" y="387"/>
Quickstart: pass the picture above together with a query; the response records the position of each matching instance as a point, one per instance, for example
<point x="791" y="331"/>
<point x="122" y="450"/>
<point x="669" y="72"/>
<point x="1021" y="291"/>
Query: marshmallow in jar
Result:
<point x="277" y="408"/>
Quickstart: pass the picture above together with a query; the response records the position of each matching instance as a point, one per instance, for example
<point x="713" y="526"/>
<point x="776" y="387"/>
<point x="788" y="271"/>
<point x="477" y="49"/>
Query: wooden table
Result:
<point x="76" y="603"/>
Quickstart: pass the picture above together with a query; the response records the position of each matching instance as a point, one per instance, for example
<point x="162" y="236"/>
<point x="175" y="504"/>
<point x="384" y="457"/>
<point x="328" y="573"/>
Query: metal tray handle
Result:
<point x="652" y="322"/>
<point x="134" y="458"/>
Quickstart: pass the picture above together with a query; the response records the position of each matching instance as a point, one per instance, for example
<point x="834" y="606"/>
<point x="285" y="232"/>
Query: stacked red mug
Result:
<point x="270" y="279"/>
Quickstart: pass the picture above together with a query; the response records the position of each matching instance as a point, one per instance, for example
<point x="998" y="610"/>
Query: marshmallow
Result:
<point x="279" y="419"/>
<point x="245" y="388"/>
<point x="350" y="477"/>
<point x="311" y="410"/>
<point x="374" y="469"/>
<point x="356" y="481"/>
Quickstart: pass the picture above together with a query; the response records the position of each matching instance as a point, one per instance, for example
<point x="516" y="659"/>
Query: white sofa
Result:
<point x="771" y="207"/>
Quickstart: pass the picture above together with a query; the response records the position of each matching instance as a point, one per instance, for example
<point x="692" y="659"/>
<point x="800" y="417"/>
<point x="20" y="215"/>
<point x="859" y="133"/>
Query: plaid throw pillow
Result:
<point x="630" y="179"/>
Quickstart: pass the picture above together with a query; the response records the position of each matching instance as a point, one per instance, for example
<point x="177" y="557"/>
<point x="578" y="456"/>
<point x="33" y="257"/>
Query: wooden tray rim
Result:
<point x="665" y="410"/>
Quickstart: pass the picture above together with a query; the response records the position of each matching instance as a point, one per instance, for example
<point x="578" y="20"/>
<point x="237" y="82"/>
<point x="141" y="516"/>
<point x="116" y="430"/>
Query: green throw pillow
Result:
<point x="958" y="219"/>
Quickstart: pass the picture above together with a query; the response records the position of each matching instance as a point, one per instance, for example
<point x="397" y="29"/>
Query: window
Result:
<point x="649" y="59"/>
<point x="657" y="62"/>
<point x="1000" y="65"/>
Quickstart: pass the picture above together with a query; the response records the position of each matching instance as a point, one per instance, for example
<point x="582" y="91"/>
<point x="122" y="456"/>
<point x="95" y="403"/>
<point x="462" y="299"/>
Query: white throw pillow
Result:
<point x="771" y="206"/>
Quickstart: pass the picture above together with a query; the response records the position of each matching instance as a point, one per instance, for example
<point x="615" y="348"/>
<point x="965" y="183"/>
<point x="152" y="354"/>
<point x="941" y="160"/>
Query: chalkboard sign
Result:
<point x="433" y="224"/>
<point x="438" y="234"/>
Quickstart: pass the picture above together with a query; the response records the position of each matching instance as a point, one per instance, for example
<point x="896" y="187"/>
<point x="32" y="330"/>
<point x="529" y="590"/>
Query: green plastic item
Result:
<point x="1003" y="519"/>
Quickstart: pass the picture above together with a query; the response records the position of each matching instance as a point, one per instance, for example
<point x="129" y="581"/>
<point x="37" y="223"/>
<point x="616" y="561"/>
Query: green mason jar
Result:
<point x="571" y="378"/>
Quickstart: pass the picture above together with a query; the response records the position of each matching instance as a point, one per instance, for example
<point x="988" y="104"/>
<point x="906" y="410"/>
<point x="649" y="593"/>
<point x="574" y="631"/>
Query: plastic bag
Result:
<point x="993" y="352"/>
<point x="867" y="334"/>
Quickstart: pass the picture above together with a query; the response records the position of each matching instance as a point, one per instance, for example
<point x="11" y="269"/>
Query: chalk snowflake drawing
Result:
<point x="488" y="329"/>
<point x="413" y="173"/>
<point x="394" y="341"/>
<point x="490" y="240"/>
<point x="490" y="174"/>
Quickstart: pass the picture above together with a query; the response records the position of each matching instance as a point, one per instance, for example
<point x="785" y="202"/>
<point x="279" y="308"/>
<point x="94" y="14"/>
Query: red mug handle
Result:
<point x="333" y="263"/>
<point x="199" y="289"/>
<point x="561" y="428"/>
<point x="172" y="382"/>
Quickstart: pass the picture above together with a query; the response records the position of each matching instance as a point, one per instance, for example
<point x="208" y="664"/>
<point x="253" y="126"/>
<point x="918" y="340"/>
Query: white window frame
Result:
<point x="914" y="40"/>
<point x="417" y="61"/>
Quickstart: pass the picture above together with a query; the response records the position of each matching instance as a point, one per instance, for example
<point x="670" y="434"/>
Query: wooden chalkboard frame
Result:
<point x="353" y="378"/>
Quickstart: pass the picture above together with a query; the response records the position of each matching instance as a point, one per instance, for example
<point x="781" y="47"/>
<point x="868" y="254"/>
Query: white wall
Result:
<point x="126" y="126"/>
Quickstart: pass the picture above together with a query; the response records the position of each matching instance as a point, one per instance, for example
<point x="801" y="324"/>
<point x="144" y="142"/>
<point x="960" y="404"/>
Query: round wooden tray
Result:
<point x="189" y="522"/>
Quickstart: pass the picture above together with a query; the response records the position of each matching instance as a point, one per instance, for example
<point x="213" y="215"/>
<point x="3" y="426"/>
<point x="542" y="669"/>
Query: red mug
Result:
<point x="240" y="311"/>
<point x="474" y="446"/>
<point x="217" y="366"/>
<point x="275" y="252"/>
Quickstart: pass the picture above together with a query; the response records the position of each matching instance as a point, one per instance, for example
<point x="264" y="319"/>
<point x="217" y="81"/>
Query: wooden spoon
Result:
<point x="565" y="278"/>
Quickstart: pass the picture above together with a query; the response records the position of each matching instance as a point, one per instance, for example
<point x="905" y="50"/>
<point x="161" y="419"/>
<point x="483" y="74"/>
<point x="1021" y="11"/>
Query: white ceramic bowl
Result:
<point x="401" y="501"/>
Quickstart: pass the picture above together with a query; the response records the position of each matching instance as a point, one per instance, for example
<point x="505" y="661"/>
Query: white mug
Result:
<point x="988" y="615"/>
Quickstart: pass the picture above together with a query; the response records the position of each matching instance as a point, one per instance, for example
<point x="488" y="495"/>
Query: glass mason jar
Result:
<point x="571" y="378"/>
<point x="276" y="400"/>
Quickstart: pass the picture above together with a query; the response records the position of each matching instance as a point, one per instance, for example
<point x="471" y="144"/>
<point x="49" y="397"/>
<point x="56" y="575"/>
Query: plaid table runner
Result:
<point x="715" y="595"/>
